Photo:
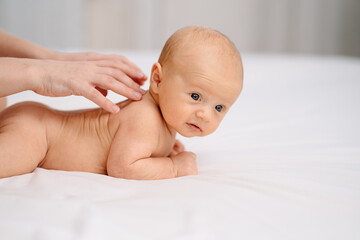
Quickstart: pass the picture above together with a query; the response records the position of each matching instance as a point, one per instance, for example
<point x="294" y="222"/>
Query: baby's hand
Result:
<point x="185" y="163"/>
<point x="177" y="148"/>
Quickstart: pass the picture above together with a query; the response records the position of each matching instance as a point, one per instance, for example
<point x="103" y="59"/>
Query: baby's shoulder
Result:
<point x="144" y="112"/>
<point x="140" y="120"/>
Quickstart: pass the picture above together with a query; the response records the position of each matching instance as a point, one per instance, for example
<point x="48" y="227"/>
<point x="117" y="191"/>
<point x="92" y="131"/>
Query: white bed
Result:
<point x="284" y="164"/>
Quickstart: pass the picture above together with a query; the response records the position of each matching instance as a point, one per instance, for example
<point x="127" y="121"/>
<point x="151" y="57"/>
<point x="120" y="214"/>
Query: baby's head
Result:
<point x="198" y="77"/>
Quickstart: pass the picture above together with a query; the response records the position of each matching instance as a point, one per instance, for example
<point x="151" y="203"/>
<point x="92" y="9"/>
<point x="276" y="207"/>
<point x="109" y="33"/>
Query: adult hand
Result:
<point x="129" y="68"/>
<point x="28" y="66"/>
<point x="89" y="75"/>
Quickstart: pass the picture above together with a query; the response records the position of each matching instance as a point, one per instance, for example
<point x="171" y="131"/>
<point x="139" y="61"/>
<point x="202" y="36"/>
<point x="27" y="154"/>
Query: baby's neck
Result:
<point x="155" y="99"/>
<point x="154" y="96"/>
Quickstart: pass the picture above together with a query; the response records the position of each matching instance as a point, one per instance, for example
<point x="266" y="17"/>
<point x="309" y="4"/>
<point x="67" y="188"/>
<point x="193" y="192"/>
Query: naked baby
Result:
<point x="198" y="77"/>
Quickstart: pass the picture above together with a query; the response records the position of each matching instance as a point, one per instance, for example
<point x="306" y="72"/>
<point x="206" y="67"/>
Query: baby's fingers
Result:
<point x="178" y="146"/>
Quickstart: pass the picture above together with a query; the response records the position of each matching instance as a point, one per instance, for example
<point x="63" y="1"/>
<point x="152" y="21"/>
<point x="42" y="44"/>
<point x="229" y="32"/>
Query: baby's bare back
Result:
<point x="72" y="141"/>
<point x="79" y="141"/>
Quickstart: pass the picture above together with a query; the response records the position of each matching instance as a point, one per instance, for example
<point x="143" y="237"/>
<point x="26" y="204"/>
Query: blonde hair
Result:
<point x="184" y="36"/>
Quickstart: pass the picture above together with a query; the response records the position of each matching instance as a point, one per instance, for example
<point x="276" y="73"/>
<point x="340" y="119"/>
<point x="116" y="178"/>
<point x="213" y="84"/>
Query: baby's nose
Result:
<point x="203" y="114"/>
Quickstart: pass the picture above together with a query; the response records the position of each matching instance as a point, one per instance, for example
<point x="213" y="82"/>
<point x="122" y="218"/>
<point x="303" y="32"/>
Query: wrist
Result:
<point x="43" y="53"/>
<point x="63" y="56"/>
<point x="53" y="55"/>
<point x="174" y="167"/>
<point x="35" y="74"/>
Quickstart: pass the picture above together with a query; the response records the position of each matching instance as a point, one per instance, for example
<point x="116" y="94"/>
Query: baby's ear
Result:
<point x="156" y="77"/>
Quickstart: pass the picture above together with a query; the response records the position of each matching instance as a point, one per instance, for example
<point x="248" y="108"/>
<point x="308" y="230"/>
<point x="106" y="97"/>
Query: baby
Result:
<point x="193" y="85"/>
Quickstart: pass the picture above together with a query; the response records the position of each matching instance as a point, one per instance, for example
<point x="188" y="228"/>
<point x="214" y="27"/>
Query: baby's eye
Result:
<point x="195" y="96"/>
<point x="219" y="108"/>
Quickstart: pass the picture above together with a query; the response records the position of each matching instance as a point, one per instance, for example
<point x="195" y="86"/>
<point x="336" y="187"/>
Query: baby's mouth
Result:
<point x="194" y="127"/>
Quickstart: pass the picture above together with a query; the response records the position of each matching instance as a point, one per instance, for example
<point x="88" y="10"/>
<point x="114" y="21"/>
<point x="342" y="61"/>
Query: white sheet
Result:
<point x="284" y="164"/>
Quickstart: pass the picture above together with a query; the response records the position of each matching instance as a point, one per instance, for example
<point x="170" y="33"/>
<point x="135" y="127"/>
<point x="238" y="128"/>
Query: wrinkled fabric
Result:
<point x="284" y="164"/>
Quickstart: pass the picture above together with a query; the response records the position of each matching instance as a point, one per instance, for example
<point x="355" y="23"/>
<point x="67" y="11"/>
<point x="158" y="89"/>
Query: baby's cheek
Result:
<point x="171" y="117"/>
<point x="177" y="113"/>
<point x="213" y="127"/>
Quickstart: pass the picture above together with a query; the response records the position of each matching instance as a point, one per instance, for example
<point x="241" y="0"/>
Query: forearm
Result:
<point x="16" y="75"/>
<point x="11" y="46"/>
<point x="146" y="169"/>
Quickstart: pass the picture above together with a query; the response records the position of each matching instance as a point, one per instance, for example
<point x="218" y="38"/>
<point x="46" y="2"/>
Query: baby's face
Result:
<point x="198" y="91"/>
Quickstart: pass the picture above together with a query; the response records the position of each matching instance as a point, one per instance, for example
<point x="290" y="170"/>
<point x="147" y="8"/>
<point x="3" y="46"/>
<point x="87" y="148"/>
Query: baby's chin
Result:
<point x="190" y="130"/>
<point x="190" y="134"/>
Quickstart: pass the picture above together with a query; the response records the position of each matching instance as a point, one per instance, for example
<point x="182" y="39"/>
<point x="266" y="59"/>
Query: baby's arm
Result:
<point x="131" y="153"/>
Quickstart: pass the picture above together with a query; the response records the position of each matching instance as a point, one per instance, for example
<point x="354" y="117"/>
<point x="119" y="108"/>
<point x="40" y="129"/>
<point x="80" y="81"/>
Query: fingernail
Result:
<point x="115" y="109"/>
<point x="137" y="95"/>
<point x="142" y="91"/>
<point x="140" y="74"/>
